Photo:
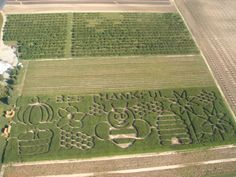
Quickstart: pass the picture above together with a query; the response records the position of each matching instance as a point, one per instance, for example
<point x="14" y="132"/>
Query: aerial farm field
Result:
<point x="124" y="83"/>
<point x="95" y="75"/>
<point x="98" y="34"/>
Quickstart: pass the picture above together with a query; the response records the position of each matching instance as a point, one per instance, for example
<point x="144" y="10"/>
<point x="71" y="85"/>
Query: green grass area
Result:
<point x="98" y="34"/>
<point x="96" y="75"/>
<point x="75" y="126"/>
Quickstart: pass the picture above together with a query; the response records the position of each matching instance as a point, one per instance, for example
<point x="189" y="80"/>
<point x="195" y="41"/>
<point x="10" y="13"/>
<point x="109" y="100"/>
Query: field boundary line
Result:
<point x="21" y="87"/>
<point x="206" y="62"/>
<point x="120" y="156"/>
<point x="86" y="8"/>
<point x="112" y="57"/>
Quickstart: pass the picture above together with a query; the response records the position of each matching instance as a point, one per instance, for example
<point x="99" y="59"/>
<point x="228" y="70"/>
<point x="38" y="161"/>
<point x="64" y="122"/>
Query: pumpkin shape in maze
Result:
<point x="36" y="113"/>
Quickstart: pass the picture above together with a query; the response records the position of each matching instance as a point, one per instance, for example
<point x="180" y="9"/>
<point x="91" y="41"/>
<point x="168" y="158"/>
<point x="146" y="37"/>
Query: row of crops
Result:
<point x="98" y="34"/>
<point x="38" y="36"/>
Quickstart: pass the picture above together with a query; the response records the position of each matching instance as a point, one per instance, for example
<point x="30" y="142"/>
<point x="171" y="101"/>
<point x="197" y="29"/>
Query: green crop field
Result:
<point x="96" y="75"/>
<point x="38" y="36"/>
<point x="124" y="84"/>
<point x="98" y="34"/>
<point x="73" y="126"/>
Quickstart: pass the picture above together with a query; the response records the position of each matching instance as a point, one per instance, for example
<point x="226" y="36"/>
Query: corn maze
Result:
<point x="98" y="34"/>
<point x="122" y="122"/>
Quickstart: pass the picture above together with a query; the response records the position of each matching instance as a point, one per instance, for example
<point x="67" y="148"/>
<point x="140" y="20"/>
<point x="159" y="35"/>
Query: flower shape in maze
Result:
<point x="34" y="142"/>
<point x="121" y="128"/>
<point x="144" y="108"/>
<point x="216" y="124"/>
<point x="70" y="116"/>
<point x="206" y="97"/>
<point x="36" y="112"/>
<point x="183" y="102"/>
<point x="73" y="138"/>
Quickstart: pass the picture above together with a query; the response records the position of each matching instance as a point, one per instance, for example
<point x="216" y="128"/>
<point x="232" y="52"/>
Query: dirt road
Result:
<point x="52" y="6"/>
<point x="176" y="164"/>
<point x="213" y="23"/>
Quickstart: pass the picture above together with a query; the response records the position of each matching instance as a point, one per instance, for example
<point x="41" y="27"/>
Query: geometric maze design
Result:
<point x="122" y="119"/>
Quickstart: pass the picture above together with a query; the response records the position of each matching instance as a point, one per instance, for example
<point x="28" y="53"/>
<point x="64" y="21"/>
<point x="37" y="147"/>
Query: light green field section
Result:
<point x="94" y="75"/>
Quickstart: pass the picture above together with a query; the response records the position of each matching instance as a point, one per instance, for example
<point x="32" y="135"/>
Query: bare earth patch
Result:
<point x="17" y="9"/>
<point x="196" y="163"/>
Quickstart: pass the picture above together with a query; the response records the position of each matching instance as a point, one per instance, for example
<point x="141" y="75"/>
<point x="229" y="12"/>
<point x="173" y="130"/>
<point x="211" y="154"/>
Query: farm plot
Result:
<point x="39" y="35"/>
<point x="102" y="34"/>
<point x="98" y="34"/>
<point x="75" y="126"/>
<point x="95" y="75"/>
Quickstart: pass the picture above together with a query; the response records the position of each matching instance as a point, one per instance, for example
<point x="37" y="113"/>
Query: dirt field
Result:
<point x="43" y="6"/>
<point x="188" y="164"/>
<point x="213" y="23"/>
<point x="93" y="75"/>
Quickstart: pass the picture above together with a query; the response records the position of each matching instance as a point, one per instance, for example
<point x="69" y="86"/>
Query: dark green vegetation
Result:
<point x="38" y="36"/>
<point x="130" y="34"/>
<point x="145" y="103"/>
<point x="71" y="126"/>
<point x="98" y="34"/>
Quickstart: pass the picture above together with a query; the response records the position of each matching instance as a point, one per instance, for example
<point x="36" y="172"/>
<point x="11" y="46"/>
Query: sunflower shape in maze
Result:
<point x="183" y="102"/>
<point x="216" y="126"/>
<point x="121" y="128"/>
<point x="34" y="142"/>
<point x="70" y="124"/>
